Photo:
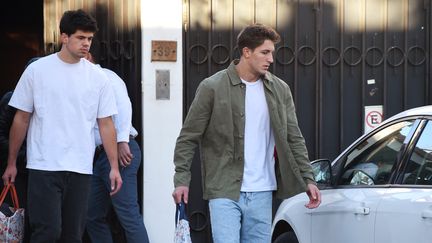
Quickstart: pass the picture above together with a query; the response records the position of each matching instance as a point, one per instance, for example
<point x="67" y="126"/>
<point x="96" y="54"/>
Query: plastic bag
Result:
<point x="182" y="231"/>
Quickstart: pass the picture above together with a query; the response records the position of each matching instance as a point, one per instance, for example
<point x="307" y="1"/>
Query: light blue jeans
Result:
<point x="247" y="220"/>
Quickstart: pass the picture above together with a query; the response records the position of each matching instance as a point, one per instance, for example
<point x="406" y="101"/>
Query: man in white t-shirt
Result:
<point x="125" y="203"/>
<point x="59" y="99"/>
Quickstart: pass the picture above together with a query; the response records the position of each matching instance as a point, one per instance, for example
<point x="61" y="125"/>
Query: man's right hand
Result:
<point x="9" y="174"/>
<point x="179" y="193"/>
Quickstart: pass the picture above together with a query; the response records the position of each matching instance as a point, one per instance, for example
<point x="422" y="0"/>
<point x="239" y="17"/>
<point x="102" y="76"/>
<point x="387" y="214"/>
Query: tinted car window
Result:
<point x="419" y="168"/>
<point x="371" y="162"/>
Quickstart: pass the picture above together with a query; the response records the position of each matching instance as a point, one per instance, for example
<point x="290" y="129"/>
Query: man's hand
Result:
<point x="116" y="181"/>
<point x="179" y="193"/>
<point x="314" y="196"/>
<point x="9" y="174"/>
<point x="124" y="154"/>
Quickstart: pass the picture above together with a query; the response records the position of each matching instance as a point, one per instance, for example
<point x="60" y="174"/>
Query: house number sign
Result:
<point x="164" y="51"/>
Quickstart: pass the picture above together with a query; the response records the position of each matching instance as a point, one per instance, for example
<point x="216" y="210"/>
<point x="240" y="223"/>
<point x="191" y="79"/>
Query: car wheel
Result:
<point x="287" y="237"/>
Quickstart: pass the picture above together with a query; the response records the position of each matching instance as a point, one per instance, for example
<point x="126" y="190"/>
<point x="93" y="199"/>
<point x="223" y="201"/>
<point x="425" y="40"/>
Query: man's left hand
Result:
<point x="124" y="154"/>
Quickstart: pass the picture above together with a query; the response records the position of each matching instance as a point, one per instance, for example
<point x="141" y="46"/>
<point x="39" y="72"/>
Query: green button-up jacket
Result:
<point x="216" y="123"/>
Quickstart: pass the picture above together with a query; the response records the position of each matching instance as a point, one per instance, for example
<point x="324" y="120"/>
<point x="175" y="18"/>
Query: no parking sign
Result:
<point x="373" y="117"/>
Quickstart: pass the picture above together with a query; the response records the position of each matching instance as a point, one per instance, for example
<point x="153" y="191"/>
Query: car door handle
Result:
<point x="362" y="210"/>
<point x="426" y="214"/>
<point x="359" y="210"/>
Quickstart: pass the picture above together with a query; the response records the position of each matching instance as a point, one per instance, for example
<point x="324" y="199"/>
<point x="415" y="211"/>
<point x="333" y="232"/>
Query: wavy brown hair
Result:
<point x="254" y="35"/>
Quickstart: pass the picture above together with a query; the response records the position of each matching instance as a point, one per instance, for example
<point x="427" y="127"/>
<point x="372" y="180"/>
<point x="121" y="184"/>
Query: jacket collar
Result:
<point x="235" y="79"/>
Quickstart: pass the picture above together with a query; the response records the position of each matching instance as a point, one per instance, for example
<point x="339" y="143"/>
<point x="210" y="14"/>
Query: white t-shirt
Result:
<point x="65" y="100"/>
<point x="123" y="120"/>
<point x="259" y="168"/>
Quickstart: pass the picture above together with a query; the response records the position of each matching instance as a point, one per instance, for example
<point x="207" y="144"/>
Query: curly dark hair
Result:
<point x="74" y="20"/>
<point x="254" y="35"/>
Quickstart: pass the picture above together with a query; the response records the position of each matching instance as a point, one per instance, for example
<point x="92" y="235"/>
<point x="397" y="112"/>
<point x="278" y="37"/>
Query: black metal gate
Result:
<point x="338" y="56"/>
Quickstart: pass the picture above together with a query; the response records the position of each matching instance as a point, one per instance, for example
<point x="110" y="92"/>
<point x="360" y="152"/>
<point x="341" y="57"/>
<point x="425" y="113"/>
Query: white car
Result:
<point x="379" y="190"/>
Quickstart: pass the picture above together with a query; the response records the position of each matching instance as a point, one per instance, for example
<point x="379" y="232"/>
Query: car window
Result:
<point x="371" y="162"/>
<point x="419" y="168"/>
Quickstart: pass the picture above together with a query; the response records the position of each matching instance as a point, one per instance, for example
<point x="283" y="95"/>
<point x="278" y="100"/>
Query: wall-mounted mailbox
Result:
<point x="162" y="84"/>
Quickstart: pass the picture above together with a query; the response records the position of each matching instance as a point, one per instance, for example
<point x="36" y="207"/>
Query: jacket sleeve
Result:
<point x="296" y="141"/>
<point x="191" y="133"/>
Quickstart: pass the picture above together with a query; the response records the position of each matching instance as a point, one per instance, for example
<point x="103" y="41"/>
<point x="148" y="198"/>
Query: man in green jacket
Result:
<point x="243" y="118"/>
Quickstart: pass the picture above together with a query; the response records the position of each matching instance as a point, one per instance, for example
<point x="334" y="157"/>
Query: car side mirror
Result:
<point x="322" y="171"/>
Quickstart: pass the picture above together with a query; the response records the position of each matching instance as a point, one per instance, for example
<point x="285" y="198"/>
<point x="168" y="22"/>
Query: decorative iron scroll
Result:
<point x="198" y="220"/>
<point x="306" y="55"/>
<point x="195" y="52"/>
